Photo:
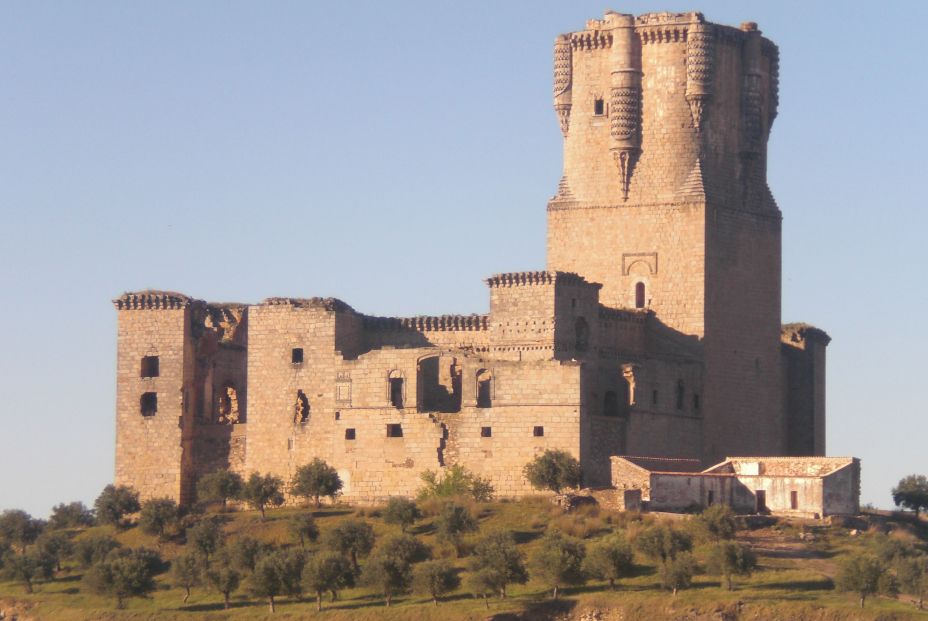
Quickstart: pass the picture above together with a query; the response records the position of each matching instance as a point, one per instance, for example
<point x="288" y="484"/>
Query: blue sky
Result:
<point x="393" y="155"/>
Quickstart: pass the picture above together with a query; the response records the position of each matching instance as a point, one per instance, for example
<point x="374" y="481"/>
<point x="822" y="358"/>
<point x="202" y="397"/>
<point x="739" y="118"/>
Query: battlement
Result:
<point x="441" y="323"/>
<point x="530" y="279"/>
<point x="151" y="299"/>
<point x="328" y="304"/>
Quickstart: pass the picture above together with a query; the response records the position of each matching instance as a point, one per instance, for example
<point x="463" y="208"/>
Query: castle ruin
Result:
<point x="655" y="329"/>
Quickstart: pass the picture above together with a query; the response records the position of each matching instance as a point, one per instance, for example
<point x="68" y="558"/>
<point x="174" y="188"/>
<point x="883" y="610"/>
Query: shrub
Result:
<point x="610" y="559"/>
<point x="497" y="563"/>
<point x="223" y="577"/>
<point x="435" y="579"/>
<point x="401" y="511"/>
<point x="912" y="573"/>
<point x="353" y="538"/>
<point x="558" y="560"/>
<point x="124" y="573"/>
<point x="717" y="523"/>
<point x="186" y="573"/>
<point x="327" y="571"/>
<point x="865" y="575"/>
<point x="454" y="521"/>
<point x="158" y="514"/>
<point x="303" y="527"/>
<point x="71" y="515"/>
<point x="455" y="481"/>
<point x="91" y="550"/>
<point x="261" y="492"/>
<point x="245" y="552"/>
<point x="677" y="572"/>
<point x="911" y="493"/>
<point x="19" y="528"/>
<point x="662" y="543"/>
<point x="205" y="537"/>
<point x="727" y="559"/>
<point x="314" y="480"/>
<point x="219" y="486"/>
<point x="28" y="567"/>
<point x="553" y="470"/>
<point x="114" y="503"/>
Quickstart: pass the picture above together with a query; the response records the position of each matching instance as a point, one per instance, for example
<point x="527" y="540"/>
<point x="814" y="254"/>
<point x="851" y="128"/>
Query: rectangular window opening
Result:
<point x="538" y="431"/>
<point x="349" y="434"/>
<point x="654" y="396"/>
<point x="296" y="355"/>
<point x="149" y="403"/>
<point x="486" y="432"/>
<point x="394" y="430"/>
<point x="710" y="498"/>
<point x="150" y="366"/>
<point x="794" y="500"/>
<point x="599" y="107"/>
<point x="695" y="402"/>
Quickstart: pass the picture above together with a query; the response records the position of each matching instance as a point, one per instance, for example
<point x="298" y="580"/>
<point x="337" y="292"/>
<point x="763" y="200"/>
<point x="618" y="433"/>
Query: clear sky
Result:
<point x="394" y="154"/>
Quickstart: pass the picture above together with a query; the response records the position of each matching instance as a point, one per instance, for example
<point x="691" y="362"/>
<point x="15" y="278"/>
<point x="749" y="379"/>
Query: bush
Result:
<point x="205" y="537"/>
<point x="263" y="491"/>
<point x="123" y="574"/>
<point x="865" y="575"/>
<point x="279" y="573"/>
<point x="454" y="521"/>
<point x="912" y="573"/>
<point x="327" y="571"/>
<point x="28" y="567"/>
<point x="911" y="493"/>
<point x="158" y="514"/>
<point x="663" y="543"/>
<point x="71" y="515"/>
<point x="186" y="573"/>
<point x="18" y="528"/>
<point x="353" y="538"/>
<point x="717" y="523"/>
<point x="303" y="527"/>
<point x="610" y="559"/>
<point x="401" y="511"/>
<point x="558" y="560"/>
<point x="114" y="503"/>
<point x="245" y="552"/>
<point x="91" y="550"/>
<point x="455" y="481"/>
<point x="435" y="579"/>
<point x="553" y="470"/>
<point x="677" y="572"/>
<point x="727" y="559"/>
<point x="219" y="486"/>
<point x="314" y="480"/>
<point x="223" y="577"/>
<point x="497" y="563"/>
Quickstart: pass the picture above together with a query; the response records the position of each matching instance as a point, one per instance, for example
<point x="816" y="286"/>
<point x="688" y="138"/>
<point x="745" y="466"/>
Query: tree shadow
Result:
<point x="525" y="536"/>
<point x="822" y="584"/>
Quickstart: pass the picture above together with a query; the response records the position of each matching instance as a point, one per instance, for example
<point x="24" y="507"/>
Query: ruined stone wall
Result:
<point x="150" y="446"/>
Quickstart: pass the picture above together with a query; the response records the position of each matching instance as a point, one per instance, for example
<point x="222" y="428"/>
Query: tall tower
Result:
<point x="664" y="199"/>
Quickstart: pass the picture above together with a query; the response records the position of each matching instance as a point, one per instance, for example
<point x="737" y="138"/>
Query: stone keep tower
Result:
<point x="664" y="200"/>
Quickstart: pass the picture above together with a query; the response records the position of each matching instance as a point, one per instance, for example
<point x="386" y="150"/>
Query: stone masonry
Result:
<point x="655" y="329"/>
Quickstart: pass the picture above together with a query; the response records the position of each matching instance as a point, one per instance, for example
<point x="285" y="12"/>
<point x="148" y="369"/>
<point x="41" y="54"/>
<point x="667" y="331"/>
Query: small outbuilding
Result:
<point x="795" y="486"/>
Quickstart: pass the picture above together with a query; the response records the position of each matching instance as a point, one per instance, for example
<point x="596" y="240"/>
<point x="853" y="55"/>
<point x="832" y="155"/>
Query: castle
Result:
<point x="655" y="329"/>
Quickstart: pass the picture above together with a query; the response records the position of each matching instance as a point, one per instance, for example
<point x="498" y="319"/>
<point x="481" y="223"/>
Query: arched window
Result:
<point x="396" y="388"/>
<point x="639" y="295"/>
<point x="681" y="392"/>
<point x="582" y="330"/>
<point x="484" y="388"/>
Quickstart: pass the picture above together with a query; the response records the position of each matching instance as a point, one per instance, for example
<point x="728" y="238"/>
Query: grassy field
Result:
<point x="797" y="564"/>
